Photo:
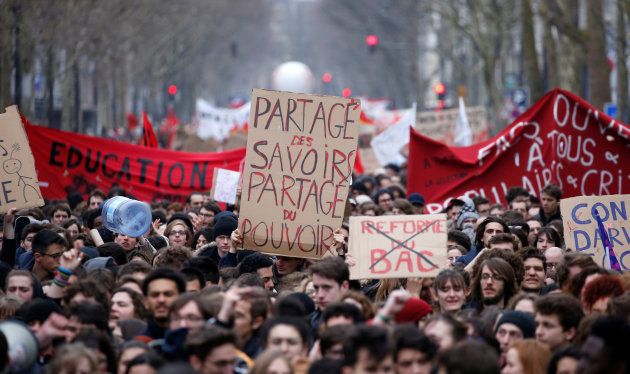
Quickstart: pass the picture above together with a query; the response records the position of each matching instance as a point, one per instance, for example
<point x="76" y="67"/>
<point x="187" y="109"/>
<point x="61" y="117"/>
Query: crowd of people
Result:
<point x="186" y="297"/>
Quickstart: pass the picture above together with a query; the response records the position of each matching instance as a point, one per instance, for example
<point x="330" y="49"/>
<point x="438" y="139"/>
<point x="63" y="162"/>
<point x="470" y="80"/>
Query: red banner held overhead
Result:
<point x="68" y="162"/>
<point x="561" y="139"/>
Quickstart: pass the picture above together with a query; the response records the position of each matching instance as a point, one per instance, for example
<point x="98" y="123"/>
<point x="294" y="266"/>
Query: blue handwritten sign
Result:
<point x="580" y="226"/>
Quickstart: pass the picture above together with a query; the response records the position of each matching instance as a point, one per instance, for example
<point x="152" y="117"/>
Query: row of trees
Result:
<point x="556" y="43"/>
<point x="63" y="59"/>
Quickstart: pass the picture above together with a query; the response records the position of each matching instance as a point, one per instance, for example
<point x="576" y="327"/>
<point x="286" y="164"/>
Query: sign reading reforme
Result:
<point x="225" y="185"/>
<point x="19" y="187"/>
<point x="397" y="246"/>
<point x="580" y="226"/>
<point x="300" y="156"/>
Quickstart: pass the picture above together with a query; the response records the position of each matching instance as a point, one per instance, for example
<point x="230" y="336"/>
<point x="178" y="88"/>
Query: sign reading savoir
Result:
<point x="300" y="156"/>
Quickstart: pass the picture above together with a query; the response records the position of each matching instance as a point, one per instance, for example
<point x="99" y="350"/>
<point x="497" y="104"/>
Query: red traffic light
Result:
<point x="346" y="92"/>
<point x="327" y="77"/>
<point x="371" y="40"/>
<point x="439" y="89"/>
<point x="172" y="89"/>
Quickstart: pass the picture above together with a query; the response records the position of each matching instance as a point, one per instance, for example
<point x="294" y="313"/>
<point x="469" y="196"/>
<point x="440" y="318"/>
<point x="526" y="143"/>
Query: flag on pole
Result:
<point x="463" y="133"/>
<point x="148" y="136"/>
<point x="610" y="260"/>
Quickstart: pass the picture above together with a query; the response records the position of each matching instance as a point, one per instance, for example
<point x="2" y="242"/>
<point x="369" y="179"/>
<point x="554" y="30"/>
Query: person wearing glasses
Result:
<point x="48" y="247"/>
<point x="494" y="283"/>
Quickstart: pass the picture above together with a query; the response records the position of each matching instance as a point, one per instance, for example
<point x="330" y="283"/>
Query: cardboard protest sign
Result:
<point x="19" y="187"/>
<point x="225" y="185"/>
<point x="300" y="155"/>
<point x="440" y="124"/>
<point x="580" y="226"/>
<point x="397" y="246"/>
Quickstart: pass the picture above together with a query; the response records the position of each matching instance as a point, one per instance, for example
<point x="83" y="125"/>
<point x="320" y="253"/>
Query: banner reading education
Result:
<point x="300" y="156"/>
<point x="397" y="246"/>
<point x="68" y="162"/>
<point x="18" y="180"/>
<point x="562" y="139"/>
<point x="580" y="226"/>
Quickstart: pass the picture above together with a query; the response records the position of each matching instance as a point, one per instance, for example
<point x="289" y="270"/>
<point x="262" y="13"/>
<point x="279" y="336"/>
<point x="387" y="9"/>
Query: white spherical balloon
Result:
<point x="293" y="76"/>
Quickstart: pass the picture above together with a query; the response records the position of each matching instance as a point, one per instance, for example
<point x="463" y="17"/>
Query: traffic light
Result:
<point x="372" y="41"/>
<point x="440" y="91"/>
<point x="327" y="77"/>
<point x="172" y="90"/>
<point x="346" y="92"/>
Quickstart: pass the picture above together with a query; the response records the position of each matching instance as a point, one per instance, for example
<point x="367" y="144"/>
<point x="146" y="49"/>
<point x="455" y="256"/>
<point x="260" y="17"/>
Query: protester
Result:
<point x="206" y="302"/>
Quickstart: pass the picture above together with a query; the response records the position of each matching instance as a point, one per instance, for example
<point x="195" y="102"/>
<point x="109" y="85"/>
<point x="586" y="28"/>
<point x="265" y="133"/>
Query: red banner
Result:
<point x="68" y="162"/>
<point x="561" y="139"/>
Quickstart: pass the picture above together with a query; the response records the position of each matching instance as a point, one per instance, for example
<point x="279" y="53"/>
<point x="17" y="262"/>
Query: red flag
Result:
<point x="358" y="165"/>
<point x="132" y="121"/>
<point x="148" y="136"/>
<point x="561" y="139"/>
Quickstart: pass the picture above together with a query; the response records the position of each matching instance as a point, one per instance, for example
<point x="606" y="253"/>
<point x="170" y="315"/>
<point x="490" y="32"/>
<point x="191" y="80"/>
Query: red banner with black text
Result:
<point x="68" y="162"/>
<point x="561" y="139"/>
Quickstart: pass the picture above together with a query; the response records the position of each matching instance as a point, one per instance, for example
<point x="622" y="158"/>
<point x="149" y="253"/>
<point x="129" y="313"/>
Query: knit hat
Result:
<point x="413" y="311"/>
<point x="224" y="226"/>
<point x="183" y="217"/>
<point x="468" y="211"/>
<point x="522" y="320"/>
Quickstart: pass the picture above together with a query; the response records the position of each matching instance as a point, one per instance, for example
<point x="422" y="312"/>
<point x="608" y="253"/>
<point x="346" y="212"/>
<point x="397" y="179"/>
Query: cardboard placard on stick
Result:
<point x="580" y="226"/>
<point x="225" y="185"/>
<point x="19" y="187"/>
<point x="397" y="246"/>
<point x="300" y="156"/>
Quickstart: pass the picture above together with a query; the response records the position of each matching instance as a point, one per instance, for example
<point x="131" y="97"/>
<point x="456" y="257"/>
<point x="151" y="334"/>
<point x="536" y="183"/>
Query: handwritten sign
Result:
<point x="580" y="226"/>
<point x="397" y="246"/>
<point x="19" y="187"/>
<point x="225" y="185"/>
<point x="300" y="156"/>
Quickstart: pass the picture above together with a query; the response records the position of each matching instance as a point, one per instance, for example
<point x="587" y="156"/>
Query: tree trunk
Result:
<point x="551" y="75"/>
<point x="5" y="59"/>
<point x="16" y="11"/>
<point x="622" y="69"/>
<point x="596" y="61"/>
<point x="50" y="86"/>
<point x="67" y="96"/>
<point x="530" y="57"/>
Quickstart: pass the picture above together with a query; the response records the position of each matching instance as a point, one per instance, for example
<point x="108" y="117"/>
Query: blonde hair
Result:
<point x="69" y="356"/>
<point x="262" y="363"/>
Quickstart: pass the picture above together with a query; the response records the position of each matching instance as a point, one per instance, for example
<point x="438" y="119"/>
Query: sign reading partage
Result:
<point x="397" y="246"/>
<point x="580" y="226"/>
<point x="300" y="156"/>
<point x="19" y="187"/>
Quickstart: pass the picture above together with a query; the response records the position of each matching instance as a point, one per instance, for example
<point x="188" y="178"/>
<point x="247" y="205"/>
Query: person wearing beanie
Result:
<point x="513" y="326"/>
<point x="414" y="310"/>
<point x="222" y="233"/>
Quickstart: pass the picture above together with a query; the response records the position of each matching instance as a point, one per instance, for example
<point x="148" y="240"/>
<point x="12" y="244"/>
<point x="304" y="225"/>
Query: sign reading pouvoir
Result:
<point x="19" y="187"/>
<point x="580" y="226"/>
<point x="397" y="246"/>
<point x="300" y="156"/>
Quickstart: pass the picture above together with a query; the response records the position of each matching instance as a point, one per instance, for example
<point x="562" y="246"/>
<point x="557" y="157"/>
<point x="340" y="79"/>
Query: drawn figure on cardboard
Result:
<point x="13" y="166"/>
